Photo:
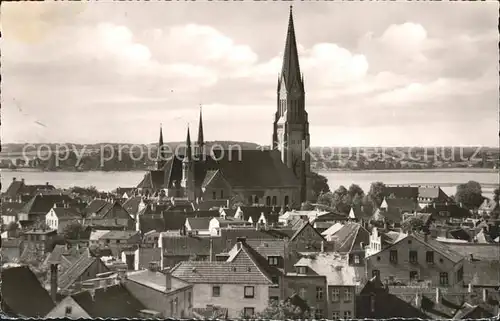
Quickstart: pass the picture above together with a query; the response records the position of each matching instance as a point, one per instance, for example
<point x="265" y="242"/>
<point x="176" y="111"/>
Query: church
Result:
<point x="275" y="177"/>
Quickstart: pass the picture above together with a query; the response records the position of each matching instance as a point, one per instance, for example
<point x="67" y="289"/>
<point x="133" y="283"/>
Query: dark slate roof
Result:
<point x="402" y="191"/>
<point x="445" y="250"/>
<point x="67" y="213"/>
<point x="119" y="235"/>
<point x="402" y="204"/>
<point x="152" y="222"/>
<point x="270" y="213"/>
<point x="210" y="205"/>
<point x="113" y="302"/>
<point x="269" y="247"/>
<point x="11" y="208"/>
<point x="95" y="205"/>
<point x="349" y="237"/>
<point x="187" y="245"/>
<point x="480" y="251"/>
<point x="131" y="205"/>
<point x="434" y="192"/>
<point x="153" y="180"/>
<point x="19" y="187"/>
<point x="455" y="210"/>
<point x="41" y="204"/>
<point x="23" y="295"/>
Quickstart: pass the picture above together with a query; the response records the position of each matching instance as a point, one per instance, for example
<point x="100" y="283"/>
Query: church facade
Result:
<point x="275" y="177"/>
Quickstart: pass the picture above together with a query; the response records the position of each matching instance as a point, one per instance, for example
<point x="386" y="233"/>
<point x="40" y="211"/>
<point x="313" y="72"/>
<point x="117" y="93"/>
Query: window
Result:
<point x="376" y="273"/>
<point x="372" y="303"/>
<point x="68" y="310"/>
<point x="413" y="275"/>
<point x="272" y="260"/>
<point x="268" y="201"/>
<point x="171" y="306"/>
<point x="443" y="278"/>
<point x="214" y="195"/>
<point x="276" y="280"/>
<point x="460" y="274"/>
<point x="347" y="314"/>
<point x="216" y="290"/>
<point x="222" y="194"/>
<point x="356" y="259"/>
<point x="286" y="200"/>
<point x="318" y="314"/>
<point x="335" y="315"/>
<point x="413" y="256"/>
<point x="249" y="292"/>
<point x="302" y="293"/>
<point x="176" y="306"/>
<point x="335" y="294"/>
<point x="429" y="257"/>
<point x="301" y="270"/>
<point x="347" y="295"/>
<point x="393" y="256"/>
<point x="319" y="293"/>
<point x="248" y="312"/>
<point x="275" y="202"/>
<point x="190" y="300"/>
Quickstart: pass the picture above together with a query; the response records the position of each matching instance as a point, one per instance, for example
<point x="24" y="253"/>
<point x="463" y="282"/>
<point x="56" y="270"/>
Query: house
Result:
<point x="134" y="204"/>
<point x="423" y="195"/>
<point x="113" y="301"/>
<point x="10" y="211"/>
<point x="160" y="291"/>
<point x="343" y="274"/>
<point x="323" y="222"/>
<point x="309" y="287"/>
<point x="120" y="241"/>
<point x="264" y="215"/>
<point x="39" y="205"/>
<point x="292" y="215"/>
<point x="391" y="210"/>
<point x="59" y="217"/>
<point x="359" y="213"/>
<point x="86" y="267"/>
<point x="39" y="238"/>
<point x="239" y="285"/>
<point x="445" y="212"/>
<point x="481" y="251"/>
<point x="487" y="207"/>
<point x="30" y="300"/>
<point x="374" y="301"/>
<point x="176" y="249"/>
<point x="352" y="237"/>
<point x="108" y="214"/>
<point x="327" y="234"/>
<point x="198" y="225"/>
<point x="414" y="259"/>
<point x="124" y="192"/>
<point x="18" y="190"/>
<point x="217" y="223"/>
<point x="95" y="236"/>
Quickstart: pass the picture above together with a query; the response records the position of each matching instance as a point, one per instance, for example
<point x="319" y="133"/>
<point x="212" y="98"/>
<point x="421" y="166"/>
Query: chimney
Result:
<point x="426" y="237"/>
<point x="322" y="246"/>
<point x="470" y="288"/>
<point x="211" y="253"/>
<point x="53" y="282"/>
<point x="46" y="183"/>
<point x="438" y="295"/>
<point x="168" y="279"/>
<point x="22" y="180"/>
<point x="485" y="295"/>
<point x="13" y="179"/>
<point x="153" y="266"/>
<point x="471" y="257"/>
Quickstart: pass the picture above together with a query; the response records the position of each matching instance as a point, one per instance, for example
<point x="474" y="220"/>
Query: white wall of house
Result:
<point x="52" y="220"/>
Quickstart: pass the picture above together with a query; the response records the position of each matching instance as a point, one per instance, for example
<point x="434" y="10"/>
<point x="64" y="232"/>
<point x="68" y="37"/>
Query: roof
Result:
<point x="119" y="235"/>
<point x="186" y="245"/>
<point x="95" y="205"/>
<point x="149" y="223"/>
<point x="445" y="250"/>
<point x="269" y="247"/>
<point x="402" y="204"/>
<point x="335" y="267"/>
<point x="242" y="270"/>
<point x="19" y="187"/>
<point x="28" y="300"/>
<point x="66" y="213"/>
<point x="156" y="280"/>
<point x="11" y="208"/>
<point x="434" y="192"/>
<point x="402" y="191"/>
<point x="254" y="212"/>
<point x="199" y="223"/>
<point x="350" y="237"/>
<point x="482" y="273"/>
<point x="78" y="267"/>
<point x="111" y="302"/>
<point x="41" y="204"/>
<point x="483" y="251"/>
<point x="131" y="205"/>
<point x="97" y="234"/>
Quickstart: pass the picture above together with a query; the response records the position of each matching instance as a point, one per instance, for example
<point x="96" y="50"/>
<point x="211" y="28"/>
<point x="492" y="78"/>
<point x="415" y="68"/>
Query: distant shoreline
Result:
<point x="340" y="170"/>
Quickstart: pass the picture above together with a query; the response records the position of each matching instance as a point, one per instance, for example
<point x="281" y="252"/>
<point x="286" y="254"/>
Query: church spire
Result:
<point x="188" y="154"/>
<point x="161" y="157"/>
<point x="201" y="142"/>
<point x="290" y="70"/>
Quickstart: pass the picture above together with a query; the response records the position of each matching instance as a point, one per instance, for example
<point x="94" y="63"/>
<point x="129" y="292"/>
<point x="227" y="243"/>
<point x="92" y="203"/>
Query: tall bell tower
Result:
<point x="291" y="125"/>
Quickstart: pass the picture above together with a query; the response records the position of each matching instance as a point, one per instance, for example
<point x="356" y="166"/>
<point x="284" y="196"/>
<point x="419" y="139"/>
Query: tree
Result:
<point x="413" y="223"/>
<point x="283" y="310"/>
<point x="87" y="191"/>
<point x="377" y="193"/>
<point x="319" y="184"/>
<point x="496" y="197"/>
<point x="469" y="194"/>
<point x="355" y="190"/>
<point x="72" y="231"/>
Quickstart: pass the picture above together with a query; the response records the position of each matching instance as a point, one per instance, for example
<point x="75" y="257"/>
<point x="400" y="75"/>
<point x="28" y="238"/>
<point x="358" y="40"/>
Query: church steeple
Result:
<point x="290" y="71"/>
<point x="187" y="182"/>
<point x="188" y="154"/>
<point x="161" y="157"/>
<point x="201" y="142"/>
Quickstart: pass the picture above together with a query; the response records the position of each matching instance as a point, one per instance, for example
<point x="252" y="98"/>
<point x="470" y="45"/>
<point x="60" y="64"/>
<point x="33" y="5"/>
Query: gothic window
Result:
<point x="268" y="201"/>
<point x="275" y="202"/>
<point x="286" y="200"/>
<point x="222" y="194"/>
<point x="256" y="201"/>
<point x="250" y="200"/>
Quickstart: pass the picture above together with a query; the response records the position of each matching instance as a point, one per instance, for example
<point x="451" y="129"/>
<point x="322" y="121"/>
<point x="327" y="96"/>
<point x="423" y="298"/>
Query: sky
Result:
<point x="376" y="73"/>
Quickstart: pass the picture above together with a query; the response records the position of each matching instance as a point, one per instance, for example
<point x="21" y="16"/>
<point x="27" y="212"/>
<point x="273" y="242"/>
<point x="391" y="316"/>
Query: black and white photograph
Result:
<point x="250" y="160"/>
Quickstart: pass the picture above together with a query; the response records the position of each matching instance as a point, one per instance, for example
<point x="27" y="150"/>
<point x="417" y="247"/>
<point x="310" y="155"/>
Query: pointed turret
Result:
<point x="161" y="157"/>
<point x="188" y="153"/>
<point x="290" y="71"/>
<point x="201" y="142"/>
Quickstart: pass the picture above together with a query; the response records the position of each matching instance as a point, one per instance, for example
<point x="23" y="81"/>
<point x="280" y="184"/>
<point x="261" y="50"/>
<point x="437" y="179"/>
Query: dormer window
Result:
<point x="302" y="269"/>
<point x="273" y="260"/>
<point x="356" y="259"/>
